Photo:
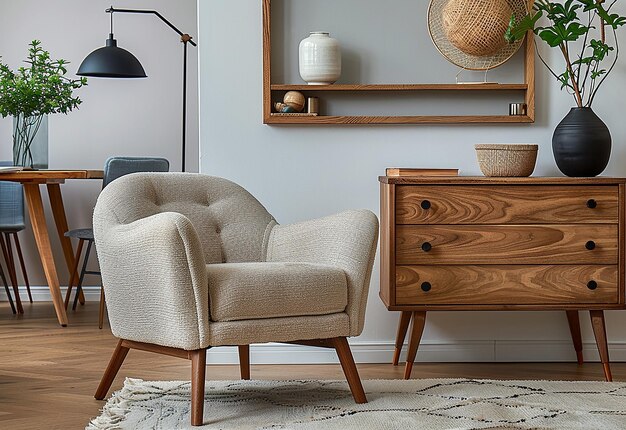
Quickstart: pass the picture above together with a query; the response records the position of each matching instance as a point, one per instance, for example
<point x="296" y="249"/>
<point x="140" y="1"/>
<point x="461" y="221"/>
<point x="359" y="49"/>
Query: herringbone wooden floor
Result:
<point x="48" y="374"/>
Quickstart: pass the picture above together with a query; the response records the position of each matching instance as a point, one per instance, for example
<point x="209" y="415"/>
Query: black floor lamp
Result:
<point x="111" y="61"/>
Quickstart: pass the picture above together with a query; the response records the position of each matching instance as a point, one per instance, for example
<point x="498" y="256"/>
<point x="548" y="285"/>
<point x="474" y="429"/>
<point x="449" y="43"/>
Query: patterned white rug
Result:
<point x="416" y="404"/>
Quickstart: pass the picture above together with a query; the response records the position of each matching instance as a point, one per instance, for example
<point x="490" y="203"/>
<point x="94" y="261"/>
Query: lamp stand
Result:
<point x="185" y="39"/>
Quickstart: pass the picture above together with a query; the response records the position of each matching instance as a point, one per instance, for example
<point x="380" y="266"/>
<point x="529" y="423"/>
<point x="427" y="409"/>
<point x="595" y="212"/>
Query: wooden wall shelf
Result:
<point x="399" y="87"/>
<point x="272" y="91"/>
<point x="416" y="119"/>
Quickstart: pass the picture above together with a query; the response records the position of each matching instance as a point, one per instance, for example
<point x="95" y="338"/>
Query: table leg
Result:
<point x="58" y="211"/>
<point x="599" y="330"/>
<point x="403" y="325"/>
<point x="574" y="328"/>
<point x="42" y="239"/>
<point x="418" y="321"/>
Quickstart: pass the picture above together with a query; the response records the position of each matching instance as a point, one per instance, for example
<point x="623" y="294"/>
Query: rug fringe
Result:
<point x="117" y="407"/>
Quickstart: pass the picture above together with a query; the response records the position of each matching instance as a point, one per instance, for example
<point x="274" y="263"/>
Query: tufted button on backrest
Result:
<point x="231" y="224"/>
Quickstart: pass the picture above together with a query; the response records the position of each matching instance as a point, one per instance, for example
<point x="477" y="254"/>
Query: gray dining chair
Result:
<point x="114" y="167"/>
<point x="11" y="222"/>
<point x="6" y="289"/>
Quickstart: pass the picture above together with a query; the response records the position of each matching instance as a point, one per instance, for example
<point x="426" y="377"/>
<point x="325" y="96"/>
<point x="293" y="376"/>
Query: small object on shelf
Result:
<point x="506" y="159"/>
<point x="313" y="105"/>
<point x="406" y="171"/>
<point x="517" y="109"/>
<point x="320" y="59"/>
<point x="295" y="100"/>
<point x="293" y="114"/>
<point x="284" y="108"/>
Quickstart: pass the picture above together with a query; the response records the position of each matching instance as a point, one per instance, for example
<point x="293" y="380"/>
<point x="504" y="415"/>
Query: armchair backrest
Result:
<point x="231" y="224"/>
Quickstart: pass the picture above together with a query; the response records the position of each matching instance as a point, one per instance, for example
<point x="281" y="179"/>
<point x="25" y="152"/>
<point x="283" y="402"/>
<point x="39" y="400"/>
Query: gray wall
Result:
<point x="117" y="117"/>
<point x="302" y="172"/>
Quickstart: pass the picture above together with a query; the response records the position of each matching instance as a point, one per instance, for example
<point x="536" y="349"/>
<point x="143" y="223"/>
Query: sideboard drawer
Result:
<point x="516" y="204"/>
<point x="507" y="244"/>
<point x="505" y="285"/>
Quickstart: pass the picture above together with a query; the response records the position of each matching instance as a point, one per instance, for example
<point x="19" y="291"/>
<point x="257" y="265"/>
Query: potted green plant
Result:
<point x="29" y="94"/>
<point x="585" y="34"/>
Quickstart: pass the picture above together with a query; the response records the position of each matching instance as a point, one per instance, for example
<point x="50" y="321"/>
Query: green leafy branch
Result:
<point x="584" y="72"/>
<point x="40" y="88"/>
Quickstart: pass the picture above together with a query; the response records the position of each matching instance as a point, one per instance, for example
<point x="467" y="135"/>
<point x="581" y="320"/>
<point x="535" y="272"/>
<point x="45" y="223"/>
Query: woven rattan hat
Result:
<point x="470" y="33"/>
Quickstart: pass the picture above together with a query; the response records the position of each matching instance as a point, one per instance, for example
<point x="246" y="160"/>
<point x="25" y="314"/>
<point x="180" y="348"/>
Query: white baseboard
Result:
<point x="459" y="351"/>
<point x="381" y="352"/>
<point x="41" y="293"/>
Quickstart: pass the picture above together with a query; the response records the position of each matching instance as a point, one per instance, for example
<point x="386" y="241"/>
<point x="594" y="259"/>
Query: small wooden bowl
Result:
<point x="506" y="159"/>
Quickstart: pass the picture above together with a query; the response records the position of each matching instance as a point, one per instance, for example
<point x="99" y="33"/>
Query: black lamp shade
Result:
<point x="111" y="62"/>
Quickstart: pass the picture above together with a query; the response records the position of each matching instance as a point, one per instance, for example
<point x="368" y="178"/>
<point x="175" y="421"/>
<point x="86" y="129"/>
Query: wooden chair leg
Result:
<point x="244" y="361"/>
<point x="574" y="328"/>
<point x="74" y="274"/>
<point x="8" y="258"/>
<point x="6" y="289"/>
<point x="599" y="330"/>
<point x="403" y="325"/>
<point x="418" y="321"/>
<point x="349" y="369"/>
<point x="20" y="257"/>
<point x="101" y="313"/>
<point x="198" y="369"/>
<point x="109" y="374"/>
<point x="81" y="278"/>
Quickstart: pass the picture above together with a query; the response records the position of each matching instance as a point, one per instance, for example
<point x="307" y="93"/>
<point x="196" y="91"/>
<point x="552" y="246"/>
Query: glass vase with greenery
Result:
<point x="32" y="92"/>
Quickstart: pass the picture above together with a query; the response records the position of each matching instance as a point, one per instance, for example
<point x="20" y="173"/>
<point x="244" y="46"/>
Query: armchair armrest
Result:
<point x="346" y="240"/>
<point x="154" y="277"/>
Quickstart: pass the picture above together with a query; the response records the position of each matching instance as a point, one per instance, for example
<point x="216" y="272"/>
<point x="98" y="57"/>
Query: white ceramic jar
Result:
<point x="320" y="59"/>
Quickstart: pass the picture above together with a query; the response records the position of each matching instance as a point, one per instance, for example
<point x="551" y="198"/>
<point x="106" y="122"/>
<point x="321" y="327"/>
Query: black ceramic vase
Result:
<point x="581" y="144"/>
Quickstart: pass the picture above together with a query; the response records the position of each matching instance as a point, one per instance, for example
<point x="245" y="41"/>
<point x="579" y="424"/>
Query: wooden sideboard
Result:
<point x="476" y="243"/>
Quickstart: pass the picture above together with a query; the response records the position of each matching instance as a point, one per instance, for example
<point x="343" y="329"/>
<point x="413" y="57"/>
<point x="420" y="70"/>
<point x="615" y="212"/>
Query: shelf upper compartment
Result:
<point x="400" y="87"/>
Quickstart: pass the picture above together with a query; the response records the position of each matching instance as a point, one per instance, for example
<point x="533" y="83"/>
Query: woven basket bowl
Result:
<point x="506" y="159"/>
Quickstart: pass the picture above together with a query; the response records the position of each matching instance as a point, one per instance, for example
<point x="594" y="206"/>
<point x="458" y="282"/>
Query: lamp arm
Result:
<point x="184" y="36"/>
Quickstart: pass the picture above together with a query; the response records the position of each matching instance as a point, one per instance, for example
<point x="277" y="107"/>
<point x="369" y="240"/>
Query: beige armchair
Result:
<point x="190" y="262"/>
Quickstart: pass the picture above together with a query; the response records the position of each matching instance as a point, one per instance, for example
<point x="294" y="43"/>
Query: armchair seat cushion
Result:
<point x="247" y="291"/>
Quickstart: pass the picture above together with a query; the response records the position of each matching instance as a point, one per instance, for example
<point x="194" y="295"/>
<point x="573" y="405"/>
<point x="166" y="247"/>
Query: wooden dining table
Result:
<point x="31" y="180"/>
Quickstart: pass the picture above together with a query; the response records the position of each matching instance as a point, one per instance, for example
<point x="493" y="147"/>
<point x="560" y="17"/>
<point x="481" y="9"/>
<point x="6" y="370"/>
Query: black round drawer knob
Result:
<point x="426" y="246"/>
<point x="591" y="204"/>
<point x="425" y="204"/>
<point x="590" y="245"/>
<point x="426" y="286"/>
<point x="592" y="285"/>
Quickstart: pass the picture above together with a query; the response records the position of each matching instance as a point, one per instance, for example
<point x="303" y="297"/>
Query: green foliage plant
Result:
<point x="578" y="29"/>
<point x="32" y="91"/>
